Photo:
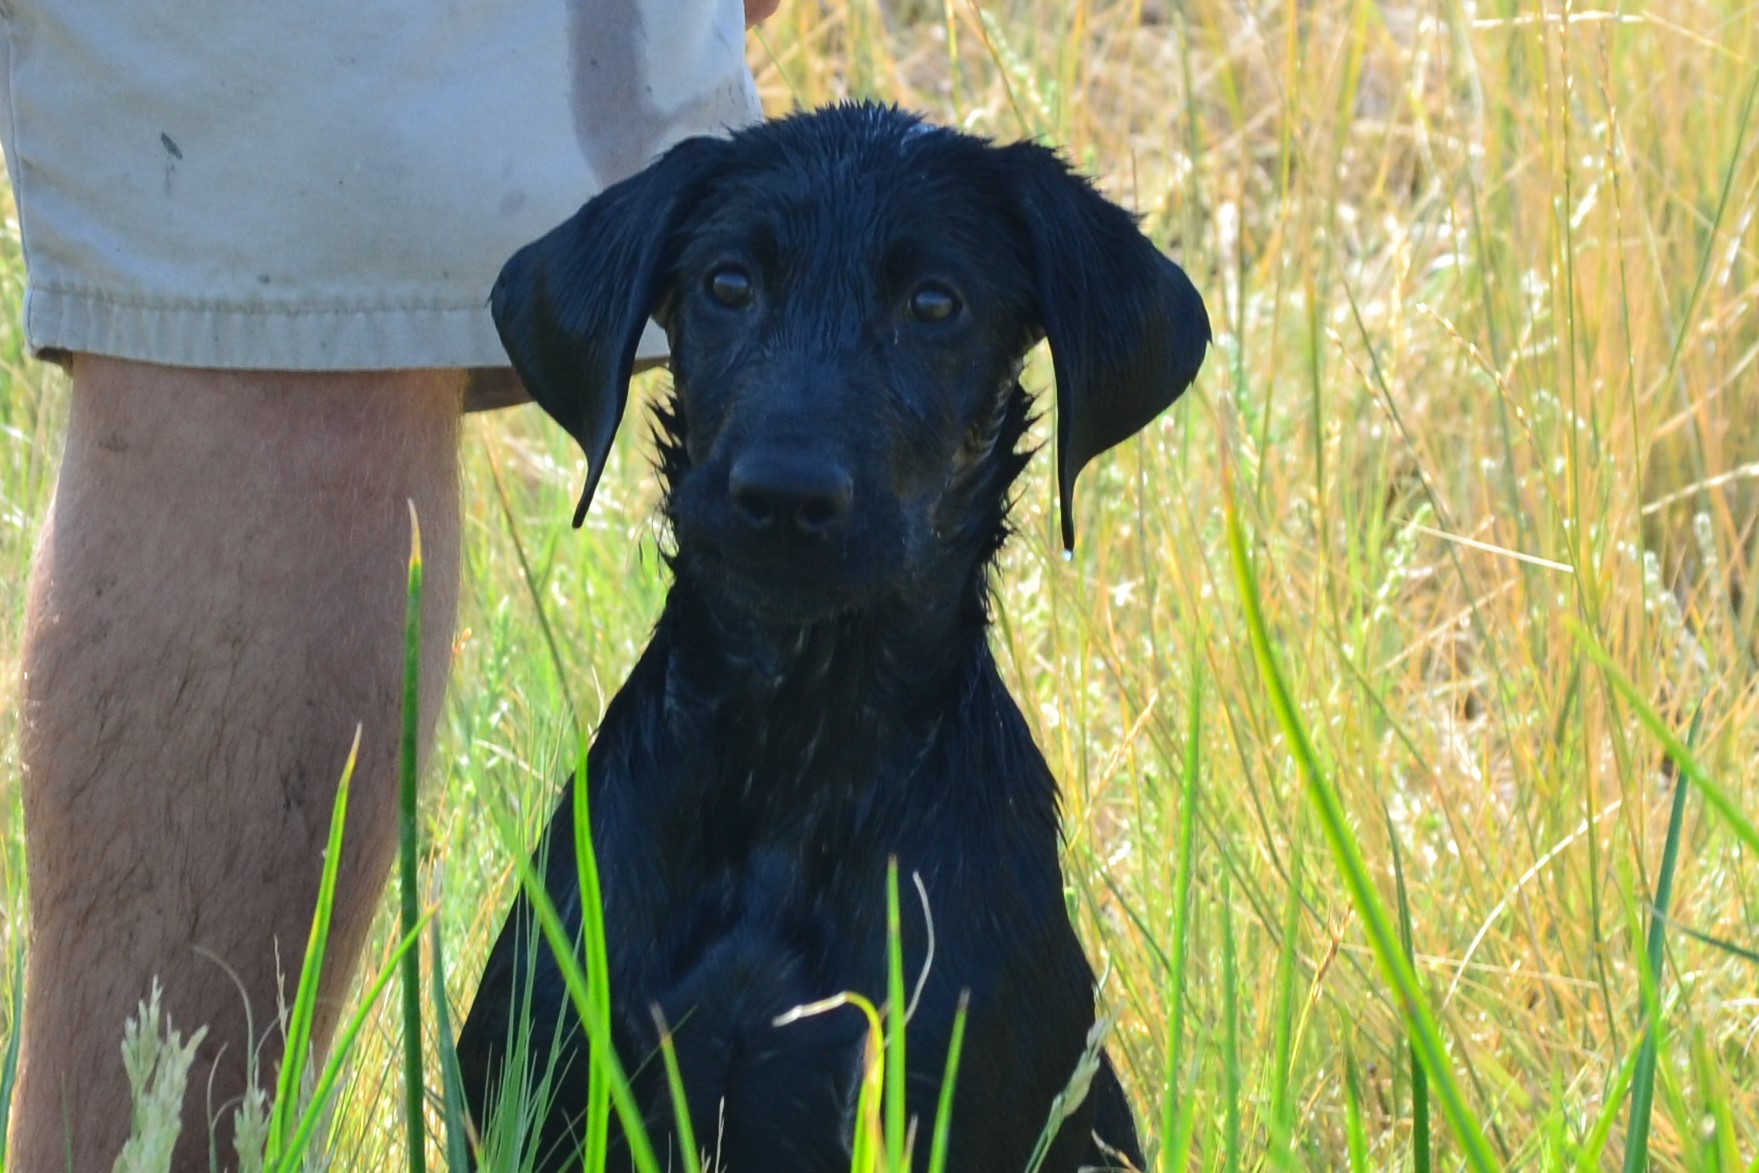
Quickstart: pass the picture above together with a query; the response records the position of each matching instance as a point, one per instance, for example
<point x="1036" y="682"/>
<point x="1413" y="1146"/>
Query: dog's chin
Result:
<point x="775" y="592"/>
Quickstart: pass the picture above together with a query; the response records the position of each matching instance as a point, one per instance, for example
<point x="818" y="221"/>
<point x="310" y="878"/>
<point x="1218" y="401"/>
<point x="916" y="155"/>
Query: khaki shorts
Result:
<point x="330" y="184"/>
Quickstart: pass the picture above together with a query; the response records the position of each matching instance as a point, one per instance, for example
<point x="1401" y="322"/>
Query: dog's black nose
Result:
<point x="788" y="494"/>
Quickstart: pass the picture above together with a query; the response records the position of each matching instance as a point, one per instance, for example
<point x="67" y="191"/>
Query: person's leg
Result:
<point x="217" y="603"/>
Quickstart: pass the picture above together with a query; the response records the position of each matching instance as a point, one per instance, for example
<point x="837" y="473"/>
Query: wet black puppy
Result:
<point x="849" y="295"/>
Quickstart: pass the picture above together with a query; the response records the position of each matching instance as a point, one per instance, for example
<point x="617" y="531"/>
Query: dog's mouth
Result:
<point x="784" y="587"/>
<point x="771" y="556"/>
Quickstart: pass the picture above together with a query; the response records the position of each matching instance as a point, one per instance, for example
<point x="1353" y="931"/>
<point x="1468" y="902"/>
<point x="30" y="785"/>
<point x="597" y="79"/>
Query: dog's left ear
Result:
<point x="570" y="306"/>
<point x="1127" y="329"/>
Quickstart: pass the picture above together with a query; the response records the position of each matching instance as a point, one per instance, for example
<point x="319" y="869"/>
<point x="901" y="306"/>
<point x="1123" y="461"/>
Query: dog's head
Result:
<point x="849" y="295"/>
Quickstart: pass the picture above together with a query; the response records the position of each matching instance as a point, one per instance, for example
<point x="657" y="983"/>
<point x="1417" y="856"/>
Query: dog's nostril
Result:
<point x="753" y="507"/>
<point x="819" y="513"/>
<point x="803" y="496"/>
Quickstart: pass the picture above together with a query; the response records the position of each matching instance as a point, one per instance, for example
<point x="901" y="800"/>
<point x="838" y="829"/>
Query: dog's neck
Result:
<point x="894" y="657"/>
<point x="836" y="706"/>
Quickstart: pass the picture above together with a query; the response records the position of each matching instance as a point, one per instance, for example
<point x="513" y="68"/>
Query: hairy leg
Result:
<point x="217" y="603"/>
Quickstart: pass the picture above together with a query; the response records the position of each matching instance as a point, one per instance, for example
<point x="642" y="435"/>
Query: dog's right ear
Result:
<point x="1127" y="329"/>
<point x="571" y="306"/>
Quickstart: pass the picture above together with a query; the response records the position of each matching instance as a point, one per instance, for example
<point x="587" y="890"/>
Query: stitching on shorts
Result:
<point x="256" y="309"/>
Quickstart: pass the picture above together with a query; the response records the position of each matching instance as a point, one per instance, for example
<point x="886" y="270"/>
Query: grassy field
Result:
<point x="1485" y="282"/>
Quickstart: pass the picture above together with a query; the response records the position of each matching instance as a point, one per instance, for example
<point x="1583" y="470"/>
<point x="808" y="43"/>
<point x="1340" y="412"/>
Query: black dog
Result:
<point x="849" y="296"/>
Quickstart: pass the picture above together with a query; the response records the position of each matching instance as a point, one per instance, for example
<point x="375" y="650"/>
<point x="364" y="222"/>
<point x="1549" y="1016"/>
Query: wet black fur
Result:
<point x="813" y="703"/>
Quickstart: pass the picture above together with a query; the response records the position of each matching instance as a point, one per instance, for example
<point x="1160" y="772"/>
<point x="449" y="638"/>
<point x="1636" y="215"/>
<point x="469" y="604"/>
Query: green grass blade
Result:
<point x="451" y="1079"/>
<point x="1356" y="1137"/>
<point x="592" y="943"/>
<point x="1687" y="321"/>
<point x="9" y="1072"/>
<point x="1724" y="1152"/>
<point x="1420" y="1141"/>
<point x="867" y="1149"/>
<point x="1175" y="1139"/>
<point x="1230" y="1032"/>
<point x="1555" y="1128"/>
<point x="607" y="1067"/>
<point x="1413" y="1007"/>
<point x="895" y="1025"/>
<point x="943" y="1115"/>
<point x="408" y="863"/>
<point x="1643" y="1084"/>
<point x="299" y="1025"/>
<point x="532" y="587"/>
<point x="680" y="1104"/>
<point x="1712" y="940"/>
<point x="292" y="1156"/>
<point x="1282" y="1120"/>
<point x="1588" y="1156"/>
<point x="1682" y="756"/>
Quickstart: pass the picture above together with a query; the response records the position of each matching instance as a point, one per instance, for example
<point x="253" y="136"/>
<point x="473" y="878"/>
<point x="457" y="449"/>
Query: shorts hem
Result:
<point x="333" y="337"/>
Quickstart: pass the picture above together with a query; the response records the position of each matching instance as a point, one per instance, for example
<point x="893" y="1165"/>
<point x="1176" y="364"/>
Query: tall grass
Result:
<point x="1485" y="285"/>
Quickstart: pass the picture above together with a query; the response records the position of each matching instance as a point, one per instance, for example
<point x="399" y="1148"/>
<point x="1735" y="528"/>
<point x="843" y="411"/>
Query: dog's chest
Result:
<point x="799" y="813"/>
<point x="792" y="794"/>
<point x="813" y="746"/>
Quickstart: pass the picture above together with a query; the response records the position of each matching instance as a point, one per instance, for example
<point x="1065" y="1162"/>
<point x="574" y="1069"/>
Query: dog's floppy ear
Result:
<point x="1127" y="329"/>
<point x="570" y="306"/>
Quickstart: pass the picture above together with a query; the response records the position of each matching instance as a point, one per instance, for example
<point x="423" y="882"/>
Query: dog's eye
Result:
<point x="730" y="286"/>
<point x="933" y="303"/>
